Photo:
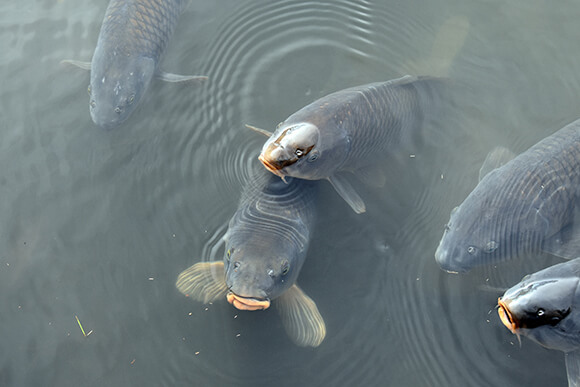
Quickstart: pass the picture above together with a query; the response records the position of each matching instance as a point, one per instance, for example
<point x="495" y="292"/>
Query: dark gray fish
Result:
<point x="266" y="245"/>
<point x="132" y="41"/>
<point x="545" y="306"/>
<point x="349" y="131"/>
<point x="523" y="208"/>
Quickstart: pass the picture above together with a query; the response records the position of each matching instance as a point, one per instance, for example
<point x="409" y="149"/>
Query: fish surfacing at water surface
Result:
<point x="351" y="131"/>
<point x="266" y="245"/>
<point x="545" y="306"/>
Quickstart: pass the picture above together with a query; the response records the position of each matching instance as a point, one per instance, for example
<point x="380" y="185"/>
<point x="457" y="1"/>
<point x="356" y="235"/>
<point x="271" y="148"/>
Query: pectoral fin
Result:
<point x="301" y="318"/>
<point x="258" y="130"/>
<point x="175" y="78"/>
<point x="77" y="63"/>
<point x="372" y="175"/>
<point x="347" y="192"/>
<point x="564" y="244"/>
<point x="203" y="281"/>
<point x="573" y="368"/>
<point x="495" y="159"/>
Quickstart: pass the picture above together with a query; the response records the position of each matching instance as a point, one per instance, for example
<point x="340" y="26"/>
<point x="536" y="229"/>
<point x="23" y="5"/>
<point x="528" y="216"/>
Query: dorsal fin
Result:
<point x="496" y="158"/>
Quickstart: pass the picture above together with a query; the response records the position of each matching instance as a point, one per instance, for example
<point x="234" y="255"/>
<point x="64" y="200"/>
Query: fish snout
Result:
<point x="272" y="165"/>
<point x="107" y="118"/>
<point x="442" y="256"/>
<point x="247" y="303"/>
<point x="506" y="316"/>
<point x="449" y="257"/>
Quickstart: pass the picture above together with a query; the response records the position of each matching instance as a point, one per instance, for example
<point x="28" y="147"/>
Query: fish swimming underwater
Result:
<point x="525" y="207"/>
<point x="350" y="131"/>
<point x="545" y="306"/>
<point x="266" y="245"/>
<point x="132" y="41"/>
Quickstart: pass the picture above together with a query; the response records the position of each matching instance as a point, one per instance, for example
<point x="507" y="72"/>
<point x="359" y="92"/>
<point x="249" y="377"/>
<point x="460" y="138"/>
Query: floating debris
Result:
<point x="82" y="329"/>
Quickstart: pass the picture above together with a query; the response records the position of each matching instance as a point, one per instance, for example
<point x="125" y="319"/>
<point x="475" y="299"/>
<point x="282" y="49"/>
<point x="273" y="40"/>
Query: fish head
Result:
<point x="488" y="228"/>
<point x="543" y="308"/>
<point x="254" y="278"/>
<point x="468" y="240"/>
<point x="117" y="88"/>
<point x="294" y="150"/>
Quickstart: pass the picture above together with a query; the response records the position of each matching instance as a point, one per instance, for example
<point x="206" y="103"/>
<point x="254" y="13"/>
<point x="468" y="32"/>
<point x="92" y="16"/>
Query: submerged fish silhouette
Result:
<point x="132" y="41"/>
<point x="525" y="206"/>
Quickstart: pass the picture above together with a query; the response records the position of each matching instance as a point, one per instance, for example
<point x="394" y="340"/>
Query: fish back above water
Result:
<point x="350" y="130"/>
<point x="522" y="208"/>
<point x="266" y="245"/>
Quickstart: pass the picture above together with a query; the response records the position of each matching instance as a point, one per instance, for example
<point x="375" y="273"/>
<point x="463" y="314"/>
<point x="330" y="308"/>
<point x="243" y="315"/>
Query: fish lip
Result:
<point x="506" y="316"/>
<point x="247" y="303"/>
<point x="276" y="170"/>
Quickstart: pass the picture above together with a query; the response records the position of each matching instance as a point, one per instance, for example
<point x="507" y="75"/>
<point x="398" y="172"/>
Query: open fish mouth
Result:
<point x="247" y="303"/>
<point x="274" y="168"/>
<point x="506" y="317"/>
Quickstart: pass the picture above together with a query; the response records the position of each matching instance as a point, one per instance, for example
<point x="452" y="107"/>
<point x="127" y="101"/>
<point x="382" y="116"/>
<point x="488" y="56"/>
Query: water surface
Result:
<point x="98" y="224"/>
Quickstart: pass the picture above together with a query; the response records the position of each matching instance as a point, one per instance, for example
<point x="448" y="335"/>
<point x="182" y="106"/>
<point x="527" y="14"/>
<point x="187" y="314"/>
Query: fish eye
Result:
<point x="89" y="89"/>
<point x="229" y="253"/>
<point x="313" y="156"/>
<point x="471" y="250"/>
<point x="285" y="267"/>
<point x="131" y="98"/>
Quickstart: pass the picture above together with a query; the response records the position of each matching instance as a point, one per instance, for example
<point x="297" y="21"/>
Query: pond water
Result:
<point x="98" y="224"/>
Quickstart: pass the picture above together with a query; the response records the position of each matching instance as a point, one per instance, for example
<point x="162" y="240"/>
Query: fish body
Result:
<point x="525" y="207"/>
<point x="545" y="306"/>
<point x="133" y="38"/>
<point x="265" y="248"/>
<point x="350" y="130"/>
<point x="268" y="237"/>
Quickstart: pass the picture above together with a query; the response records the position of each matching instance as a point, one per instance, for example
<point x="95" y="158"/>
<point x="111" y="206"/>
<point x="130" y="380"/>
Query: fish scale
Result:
<point x="390" y="118"/>
<point x="285" y="210"/>
<point x="140" y="27"/>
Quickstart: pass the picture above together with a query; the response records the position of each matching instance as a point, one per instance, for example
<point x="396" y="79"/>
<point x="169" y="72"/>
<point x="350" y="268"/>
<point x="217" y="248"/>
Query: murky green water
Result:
<point x="98" y="224"/>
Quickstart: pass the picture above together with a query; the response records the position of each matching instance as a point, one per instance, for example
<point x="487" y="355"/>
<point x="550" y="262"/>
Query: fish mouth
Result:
<point x="247" y="303"/>
<point x="506" y="317"/>
<point x="275" y="168"/>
